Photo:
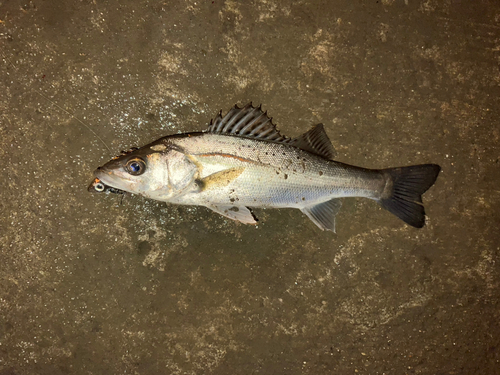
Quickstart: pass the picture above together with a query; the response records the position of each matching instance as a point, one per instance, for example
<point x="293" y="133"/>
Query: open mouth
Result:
<point x="97" y="186"/>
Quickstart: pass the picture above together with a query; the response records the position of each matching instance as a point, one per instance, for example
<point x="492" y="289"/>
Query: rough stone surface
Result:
<point x="89" y="285"/>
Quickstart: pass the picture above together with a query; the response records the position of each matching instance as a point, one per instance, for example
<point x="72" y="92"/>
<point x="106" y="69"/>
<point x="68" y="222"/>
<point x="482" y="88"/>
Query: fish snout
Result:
<point x="100" y="172"/>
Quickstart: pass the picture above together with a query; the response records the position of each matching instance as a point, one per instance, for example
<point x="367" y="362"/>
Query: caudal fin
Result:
<point x="404" y="198"/>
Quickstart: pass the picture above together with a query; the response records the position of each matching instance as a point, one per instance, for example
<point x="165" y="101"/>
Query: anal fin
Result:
<point x="237" y="213"/>
<point x="323" y="214"/>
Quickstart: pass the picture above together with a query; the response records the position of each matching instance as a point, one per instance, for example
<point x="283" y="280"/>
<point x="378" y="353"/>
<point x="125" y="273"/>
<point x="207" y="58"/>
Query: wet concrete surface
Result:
<point x="93" y="285"/>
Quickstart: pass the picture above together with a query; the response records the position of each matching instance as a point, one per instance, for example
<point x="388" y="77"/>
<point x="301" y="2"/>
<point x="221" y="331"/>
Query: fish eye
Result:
<point x="136" y="167"/>
<point x="99" y="187"/>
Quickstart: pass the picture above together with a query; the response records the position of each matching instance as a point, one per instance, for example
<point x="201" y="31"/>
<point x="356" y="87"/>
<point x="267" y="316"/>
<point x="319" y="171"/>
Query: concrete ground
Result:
<point x="93" y="285"/>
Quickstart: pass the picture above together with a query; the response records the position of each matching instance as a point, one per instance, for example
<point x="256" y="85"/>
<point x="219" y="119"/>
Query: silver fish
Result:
<point x="243" y="161"/>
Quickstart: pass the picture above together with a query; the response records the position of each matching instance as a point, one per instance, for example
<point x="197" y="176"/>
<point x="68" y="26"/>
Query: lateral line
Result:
<point x="228" y="156"/>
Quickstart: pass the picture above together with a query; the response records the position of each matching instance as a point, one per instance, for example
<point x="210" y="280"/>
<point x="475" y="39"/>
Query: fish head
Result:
<point x="155" y="171"/>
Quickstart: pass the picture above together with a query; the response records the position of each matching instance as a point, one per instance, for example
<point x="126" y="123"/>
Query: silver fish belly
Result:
<point x="242" y="161"/>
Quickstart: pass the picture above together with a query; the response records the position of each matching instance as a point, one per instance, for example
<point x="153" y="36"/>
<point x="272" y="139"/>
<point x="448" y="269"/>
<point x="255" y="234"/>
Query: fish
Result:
<point x="242" y="161"/>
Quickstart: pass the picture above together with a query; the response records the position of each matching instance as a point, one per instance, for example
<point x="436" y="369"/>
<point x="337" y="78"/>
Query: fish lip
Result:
<point x="91" y="189"/>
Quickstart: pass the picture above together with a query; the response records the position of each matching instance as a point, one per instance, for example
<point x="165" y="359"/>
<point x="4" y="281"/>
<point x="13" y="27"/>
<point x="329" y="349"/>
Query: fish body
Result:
<point x="242" y="161"/>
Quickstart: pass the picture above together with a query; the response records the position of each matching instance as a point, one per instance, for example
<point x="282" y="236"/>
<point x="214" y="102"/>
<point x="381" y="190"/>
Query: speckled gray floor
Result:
<point x="92" y="286"/>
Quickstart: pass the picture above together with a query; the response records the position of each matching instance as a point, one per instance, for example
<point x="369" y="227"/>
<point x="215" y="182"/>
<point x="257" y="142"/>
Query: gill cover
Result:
<point x="182" y="172"/>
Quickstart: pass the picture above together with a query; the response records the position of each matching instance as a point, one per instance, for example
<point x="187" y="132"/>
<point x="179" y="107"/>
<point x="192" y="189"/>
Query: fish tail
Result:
<point x="403" y="192"/>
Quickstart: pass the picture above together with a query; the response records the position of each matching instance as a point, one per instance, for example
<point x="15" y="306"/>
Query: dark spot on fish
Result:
<point x="303" y="198"/>
<point x="232" y="199"/>
<point x="234" y="209"/>
<point x="320" y="173"/>
<point x="200" y="184"/>
<point x="277" y="172"/>
<point x="286" y="176"/>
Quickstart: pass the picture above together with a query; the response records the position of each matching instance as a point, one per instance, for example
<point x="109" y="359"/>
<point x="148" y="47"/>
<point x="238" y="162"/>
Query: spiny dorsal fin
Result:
<point x="315" y="141"/>
<point x="248" y="121"/>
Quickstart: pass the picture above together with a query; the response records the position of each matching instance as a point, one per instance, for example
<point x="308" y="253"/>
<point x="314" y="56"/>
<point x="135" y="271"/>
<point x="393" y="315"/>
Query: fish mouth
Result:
<point x="97" y="186"/>
<point x="91" y="188"/>
<point x="113" y="180"/>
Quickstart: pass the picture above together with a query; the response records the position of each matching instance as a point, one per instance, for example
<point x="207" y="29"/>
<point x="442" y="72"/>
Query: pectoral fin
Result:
<point x="220" y="179"/>
<point x="323" y="214"/>
<point x="241" y="213"/>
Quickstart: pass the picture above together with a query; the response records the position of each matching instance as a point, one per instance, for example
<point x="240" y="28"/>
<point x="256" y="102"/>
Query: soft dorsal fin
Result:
<point x="315" y="141"/>
<point x="248" y="121"/>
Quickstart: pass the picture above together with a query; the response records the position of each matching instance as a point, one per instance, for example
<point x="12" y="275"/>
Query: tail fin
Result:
<point x="404" y="196"/>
